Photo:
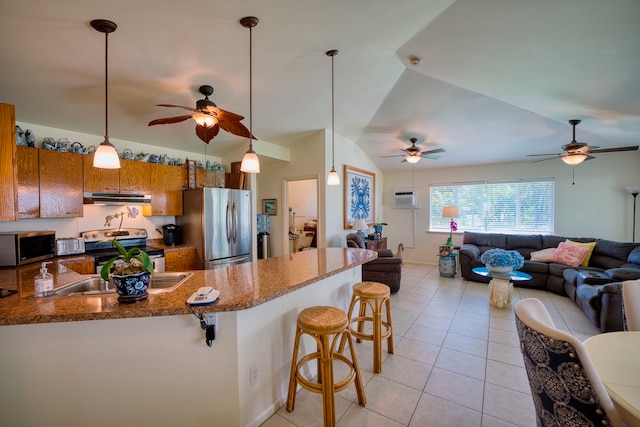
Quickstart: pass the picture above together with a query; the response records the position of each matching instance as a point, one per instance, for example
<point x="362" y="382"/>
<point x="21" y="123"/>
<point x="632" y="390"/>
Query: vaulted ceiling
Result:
<point x="496" y="80"/>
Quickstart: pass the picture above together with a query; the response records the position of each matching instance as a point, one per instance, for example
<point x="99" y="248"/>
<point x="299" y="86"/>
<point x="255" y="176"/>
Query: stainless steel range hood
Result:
<point x="116" y="199"/>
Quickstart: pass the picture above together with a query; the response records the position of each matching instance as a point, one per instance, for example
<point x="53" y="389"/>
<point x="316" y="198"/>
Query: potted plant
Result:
<point x="501" y="261"/>
<point x="130" y="272"/>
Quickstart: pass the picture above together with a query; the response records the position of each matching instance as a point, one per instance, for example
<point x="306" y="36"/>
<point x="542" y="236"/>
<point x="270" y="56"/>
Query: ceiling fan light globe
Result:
<point x="106" y="156"/>
<point x="574" y="159"/>
<point x="250" y="162"/>
<point x="204" y="120"/>
<point x="412" y="159"/>
<point x="333" y="178"/>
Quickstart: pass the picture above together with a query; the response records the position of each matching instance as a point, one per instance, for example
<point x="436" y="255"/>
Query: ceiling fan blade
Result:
<point x="616" y="149"/>
<point x="548" y="154"/>
<point x="177" y="106"/>
<point x="542" y="160"/>
<point x="395" y="155"/>
<point x="207" y="134"/>
<point x="230" y="123"/>
<point x="430" y="156"/>
<point x="437" y="150"/>
<point x="589" y="158"/>
<point x="220" y="112"/>
<point x="170" y="120"/>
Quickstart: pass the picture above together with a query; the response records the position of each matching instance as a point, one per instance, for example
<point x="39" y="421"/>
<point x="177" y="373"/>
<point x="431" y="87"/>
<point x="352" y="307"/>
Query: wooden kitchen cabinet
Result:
<point x="135" y="177"/>
<point x="166" y="190"/>
<point x="80" y="267"/>
<point x="99" y="180"/>
<point x="180" y="260"/>
<point x="60" y="184"/>
<point x="28" y="182"/>
<point x="8" y="164"/>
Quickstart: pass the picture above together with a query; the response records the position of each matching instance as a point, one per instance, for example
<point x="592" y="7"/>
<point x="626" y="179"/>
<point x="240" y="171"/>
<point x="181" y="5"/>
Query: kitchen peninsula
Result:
<point x="91" y="361"/>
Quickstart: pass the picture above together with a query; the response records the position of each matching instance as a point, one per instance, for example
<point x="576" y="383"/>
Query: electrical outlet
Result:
<point x="211" y="319"/>
<point x="254" y="374"/>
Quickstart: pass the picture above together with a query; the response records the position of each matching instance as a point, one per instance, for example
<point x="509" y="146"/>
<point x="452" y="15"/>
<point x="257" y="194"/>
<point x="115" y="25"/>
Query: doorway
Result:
<point x="301" y="219"/>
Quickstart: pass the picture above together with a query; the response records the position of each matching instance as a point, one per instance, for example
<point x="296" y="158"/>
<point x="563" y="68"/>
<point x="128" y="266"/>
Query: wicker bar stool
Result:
<point x="321" y="323"/>
<point x="376" y="296"/>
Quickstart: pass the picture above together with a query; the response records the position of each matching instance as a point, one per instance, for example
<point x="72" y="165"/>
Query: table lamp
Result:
<point x="451" y="212"/>
<point x="359" y="225"/>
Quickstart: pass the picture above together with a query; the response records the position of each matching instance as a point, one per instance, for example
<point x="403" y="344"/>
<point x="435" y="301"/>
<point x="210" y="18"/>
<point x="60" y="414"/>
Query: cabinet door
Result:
<point x="8" y="166"/>
<point x="60" y="184"/>
<point x="28" y="182"/>
<point x="166" y="190"/>
<point x="135" y="177"/>
<point x="98" y="180"/>
<point x="180" y="260"/>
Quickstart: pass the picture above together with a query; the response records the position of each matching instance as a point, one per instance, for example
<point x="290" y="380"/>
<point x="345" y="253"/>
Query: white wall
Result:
<point x="598" y="205"/>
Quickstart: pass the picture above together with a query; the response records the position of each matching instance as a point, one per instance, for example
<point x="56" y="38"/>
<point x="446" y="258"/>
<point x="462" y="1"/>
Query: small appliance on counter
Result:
<point x="264" y="225"/>
<point x="172" y="234"/>
<point x="24" y="247"/>
<point x="69" y="246"/>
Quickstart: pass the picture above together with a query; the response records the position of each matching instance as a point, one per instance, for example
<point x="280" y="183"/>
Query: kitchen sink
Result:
<point x="94" y="285"/>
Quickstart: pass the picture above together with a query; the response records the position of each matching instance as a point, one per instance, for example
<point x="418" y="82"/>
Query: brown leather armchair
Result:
<point x="386" y="269"/>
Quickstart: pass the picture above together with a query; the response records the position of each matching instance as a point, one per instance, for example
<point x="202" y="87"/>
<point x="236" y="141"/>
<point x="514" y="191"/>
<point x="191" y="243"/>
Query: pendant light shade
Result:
<point x="250" y="162"/>
<point x="574" y="159"/>
<point x="412" y="159"/>
<point x="203" y="120"/>
<point x="106" y="156"/>
<point x="333" y="178"/>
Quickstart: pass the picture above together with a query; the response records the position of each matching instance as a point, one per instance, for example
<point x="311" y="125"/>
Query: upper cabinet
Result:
<point x="97" y="180"/>
<point x="8" y="166"/>
<point x="60" y="184"/>
<point x="135" y="177"/>
<point x="166" y="190"/>
<point x="28" y="182"/>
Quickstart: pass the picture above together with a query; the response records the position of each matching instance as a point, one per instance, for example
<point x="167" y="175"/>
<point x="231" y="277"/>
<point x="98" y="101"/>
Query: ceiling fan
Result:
<point x="209" y="118"/>
<point x="577" y="152"/>
<point x="413" y="154"/>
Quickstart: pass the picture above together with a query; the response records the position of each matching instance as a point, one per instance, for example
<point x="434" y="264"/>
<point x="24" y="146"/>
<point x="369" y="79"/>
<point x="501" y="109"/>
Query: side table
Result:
<point x="380" y="243"/>
<point x="447" y="265"/>
<point x="501" y="286"/>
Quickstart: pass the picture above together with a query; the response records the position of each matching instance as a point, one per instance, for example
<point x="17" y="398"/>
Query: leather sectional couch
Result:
<point x="386" y="269"/>
<point x="595" y="288"/>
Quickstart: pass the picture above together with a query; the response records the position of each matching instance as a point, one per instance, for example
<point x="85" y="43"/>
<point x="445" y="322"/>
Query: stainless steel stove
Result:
<point x="98" y="243"/>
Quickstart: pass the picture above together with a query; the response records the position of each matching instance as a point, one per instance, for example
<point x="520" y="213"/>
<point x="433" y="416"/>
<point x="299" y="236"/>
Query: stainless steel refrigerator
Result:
<point x="218" y="222"/>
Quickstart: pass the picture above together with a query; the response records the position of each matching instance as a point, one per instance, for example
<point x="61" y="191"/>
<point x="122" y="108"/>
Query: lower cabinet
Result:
<point x="81" y="267"/>
<point x="180" y="260"/>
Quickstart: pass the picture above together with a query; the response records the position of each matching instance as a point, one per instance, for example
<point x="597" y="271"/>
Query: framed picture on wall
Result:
<point x="270" y="206"/>
<point x="359" y="195"/>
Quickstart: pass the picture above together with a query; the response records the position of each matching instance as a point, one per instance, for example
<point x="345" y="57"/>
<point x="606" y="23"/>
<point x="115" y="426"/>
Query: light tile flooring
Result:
<point x="457" y="360"/>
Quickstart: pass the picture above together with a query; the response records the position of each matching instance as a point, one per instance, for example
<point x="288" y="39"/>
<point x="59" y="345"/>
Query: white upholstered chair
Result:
<point x="565" y="386"/>
<point x="631" y="301"/>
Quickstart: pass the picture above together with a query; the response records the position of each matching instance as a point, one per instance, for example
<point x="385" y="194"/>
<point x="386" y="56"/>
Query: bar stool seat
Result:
<point x="322" y="323"/>
<point x="376" y="296"/>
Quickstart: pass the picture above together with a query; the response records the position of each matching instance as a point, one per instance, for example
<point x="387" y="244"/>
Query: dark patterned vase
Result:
<point x="132" y="287"/>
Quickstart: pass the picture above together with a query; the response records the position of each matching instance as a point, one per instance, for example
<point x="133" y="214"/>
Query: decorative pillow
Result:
<point x="569" y="254"/>
<point x="544" y="255"/>
<point x="587" y="257"/>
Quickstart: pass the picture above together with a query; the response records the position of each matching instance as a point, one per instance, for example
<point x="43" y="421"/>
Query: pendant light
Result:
<point x="333" y="178"/>
<point x="250" y="162"/>
<point x="106" y="156"/>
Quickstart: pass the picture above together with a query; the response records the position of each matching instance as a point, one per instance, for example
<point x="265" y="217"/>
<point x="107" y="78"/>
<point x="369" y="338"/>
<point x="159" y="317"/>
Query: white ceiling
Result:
<point x="498" y="79"/>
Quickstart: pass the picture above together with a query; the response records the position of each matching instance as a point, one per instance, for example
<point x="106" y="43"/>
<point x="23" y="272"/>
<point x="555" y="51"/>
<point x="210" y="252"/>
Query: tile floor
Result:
<point x="457" y="360"/>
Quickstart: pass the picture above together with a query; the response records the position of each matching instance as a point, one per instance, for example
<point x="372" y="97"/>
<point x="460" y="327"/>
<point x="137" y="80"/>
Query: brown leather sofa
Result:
<point x="386" y="269"/>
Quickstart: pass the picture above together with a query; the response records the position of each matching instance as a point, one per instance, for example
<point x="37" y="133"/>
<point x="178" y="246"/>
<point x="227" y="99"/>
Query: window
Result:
<point x="522" y="207"/>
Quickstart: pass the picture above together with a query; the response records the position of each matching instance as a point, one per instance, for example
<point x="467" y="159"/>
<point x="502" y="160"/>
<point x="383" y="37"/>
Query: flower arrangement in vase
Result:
<point x="453" y="226"/>
<point x="502" y="261"/>
<point x="130" y="271"/>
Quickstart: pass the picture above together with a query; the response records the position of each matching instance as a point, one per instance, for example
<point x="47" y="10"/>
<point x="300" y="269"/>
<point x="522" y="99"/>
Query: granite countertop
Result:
<point x="241" y="287"/>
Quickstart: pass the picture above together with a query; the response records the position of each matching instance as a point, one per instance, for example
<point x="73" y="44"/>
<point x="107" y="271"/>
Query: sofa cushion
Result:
<point x="634" y="256"/>
<point x="543" y="255"/>
<point x="622" y="274"/>
<point x="568" y="254"/>
<point x="608" y="254"/>
<point x="587" y="257"/>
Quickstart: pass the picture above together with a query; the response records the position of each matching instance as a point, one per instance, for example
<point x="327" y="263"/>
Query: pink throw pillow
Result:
<point x="568" y="254"/>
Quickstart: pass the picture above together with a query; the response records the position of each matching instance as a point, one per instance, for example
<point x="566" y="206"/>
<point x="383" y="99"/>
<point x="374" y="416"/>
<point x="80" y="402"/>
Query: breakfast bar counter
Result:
<point x="78" y="361"/>
<point x="241" y="287"/>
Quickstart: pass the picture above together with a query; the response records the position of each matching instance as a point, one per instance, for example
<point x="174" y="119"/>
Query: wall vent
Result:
<point x="406" y="198"/>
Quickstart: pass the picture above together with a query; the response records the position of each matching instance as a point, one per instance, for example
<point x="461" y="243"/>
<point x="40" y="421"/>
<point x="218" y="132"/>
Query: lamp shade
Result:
<point x="634" y="191"/>
<point x="412" y="159"/>
<point x="574" y="159"/>
<point x="106" y="156"/>
<point x="204" y="120"/>
<point x="359" y="224"/>
<point x="451" y="212"/>
<point x="333" y="178"/>
<point x="250" y="162"/>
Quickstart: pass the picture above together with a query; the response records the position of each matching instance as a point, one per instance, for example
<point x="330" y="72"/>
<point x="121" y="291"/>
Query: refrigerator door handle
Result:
<point x="228" y="224"/>
<point x="234" y="221"/>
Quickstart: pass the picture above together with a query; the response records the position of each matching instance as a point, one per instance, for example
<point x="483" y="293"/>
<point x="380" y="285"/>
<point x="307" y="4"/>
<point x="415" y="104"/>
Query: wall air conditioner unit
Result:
<point x="406" y="198"/>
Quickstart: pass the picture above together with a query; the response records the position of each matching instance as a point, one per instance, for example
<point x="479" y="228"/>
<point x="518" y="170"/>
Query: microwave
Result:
<point x="24" y="247"/>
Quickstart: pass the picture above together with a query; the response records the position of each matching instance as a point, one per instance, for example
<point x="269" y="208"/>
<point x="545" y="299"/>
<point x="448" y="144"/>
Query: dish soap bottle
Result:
<point x="43" y="282"/>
